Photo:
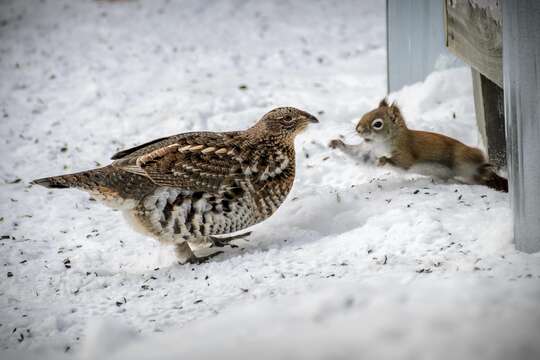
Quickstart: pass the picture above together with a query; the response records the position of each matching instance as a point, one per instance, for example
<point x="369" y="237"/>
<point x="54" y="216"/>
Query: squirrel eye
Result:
<point x="377" y="124"/>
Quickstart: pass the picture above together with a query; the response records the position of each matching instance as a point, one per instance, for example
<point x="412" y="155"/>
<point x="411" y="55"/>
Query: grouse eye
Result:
<point x="287" y="122"/>
<point x="377" y="124"/>
<point x="287" y="118"/>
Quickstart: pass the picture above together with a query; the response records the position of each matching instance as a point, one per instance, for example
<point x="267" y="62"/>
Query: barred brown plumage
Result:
<point x="193" y="186"/>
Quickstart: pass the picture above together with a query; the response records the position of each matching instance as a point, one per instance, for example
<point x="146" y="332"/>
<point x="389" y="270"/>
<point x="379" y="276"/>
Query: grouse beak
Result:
<point x="305" y="120"/>
<point x="312" y="119"/>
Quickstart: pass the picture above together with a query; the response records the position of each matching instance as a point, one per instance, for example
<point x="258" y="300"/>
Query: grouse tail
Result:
<point x="80" y="180"/>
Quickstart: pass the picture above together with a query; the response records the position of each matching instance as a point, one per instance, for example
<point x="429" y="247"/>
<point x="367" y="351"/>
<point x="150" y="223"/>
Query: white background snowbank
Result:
<point x="360" y="262"/>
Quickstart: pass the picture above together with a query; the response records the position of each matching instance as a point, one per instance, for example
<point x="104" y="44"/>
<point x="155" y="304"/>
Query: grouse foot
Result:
<point x="186" y="256"/>
<point x="202" y="259"/>
<point x="224" y="241"/>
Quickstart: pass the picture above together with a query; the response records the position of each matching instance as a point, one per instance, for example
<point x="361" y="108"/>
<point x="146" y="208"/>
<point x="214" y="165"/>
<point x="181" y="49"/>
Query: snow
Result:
<point x="360" y="261"/>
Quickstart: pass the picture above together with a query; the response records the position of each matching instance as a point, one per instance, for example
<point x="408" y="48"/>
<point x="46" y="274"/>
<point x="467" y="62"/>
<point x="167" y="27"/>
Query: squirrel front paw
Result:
<point x="336" y="144"/>
<point x="383" y="160"/>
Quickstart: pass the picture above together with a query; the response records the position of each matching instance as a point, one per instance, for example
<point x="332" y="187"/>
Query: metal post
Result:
<point x="521" y="70"/>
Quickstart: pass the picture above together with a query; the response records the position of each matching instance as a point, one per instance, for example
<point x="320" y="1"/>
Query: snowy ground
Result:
<point x="360" y="262"/>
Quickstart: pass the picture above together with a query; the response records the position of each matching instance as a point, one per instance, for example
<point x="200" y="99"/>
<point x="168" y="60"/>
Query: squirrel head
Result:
<point x="381" y="124"/>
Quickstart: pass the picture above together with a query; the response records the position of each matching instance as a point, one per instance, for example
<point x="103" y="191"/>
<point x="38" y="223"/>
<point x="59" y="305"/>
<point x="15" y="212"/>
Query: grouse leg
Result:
<point x="223" y="241"/>
<point x="186" y="256"/>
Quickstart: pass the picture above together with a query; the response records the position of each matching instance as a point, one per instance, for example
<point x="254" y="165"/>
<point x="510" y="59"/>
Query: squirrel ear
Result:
<point x="383" y="103"/>
<point x="395" y="112"/>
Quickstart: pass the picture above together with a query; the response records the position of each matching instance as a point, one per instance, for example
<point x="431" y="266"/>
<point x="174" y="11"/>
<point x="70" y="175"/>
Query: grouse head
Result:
<point x="283" y="122"/>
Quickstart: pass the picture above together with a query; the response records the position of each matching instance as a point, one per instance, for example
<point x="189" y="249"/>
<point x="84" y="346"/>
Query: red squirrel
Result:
<point x="421" y="152"/>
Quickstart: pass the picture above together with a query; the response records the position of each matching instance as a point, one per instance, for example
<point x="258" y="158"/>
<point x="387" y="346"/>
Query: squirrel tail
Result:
<point x="488" y="177"/>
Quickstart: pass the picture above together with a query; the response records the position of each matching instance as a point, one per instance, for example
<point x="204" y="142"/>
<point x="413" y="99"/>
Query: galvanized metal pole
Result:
<point x="521" y="70"/>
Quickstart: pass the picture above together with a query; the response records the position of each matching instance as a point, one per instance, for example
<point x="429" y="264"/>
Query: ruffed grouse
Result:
<point x="189" y="187"/>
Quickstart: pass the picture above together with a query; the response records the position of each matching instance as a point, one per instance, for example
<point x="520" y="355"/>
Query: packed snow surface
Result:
<point x="360" y="261"/>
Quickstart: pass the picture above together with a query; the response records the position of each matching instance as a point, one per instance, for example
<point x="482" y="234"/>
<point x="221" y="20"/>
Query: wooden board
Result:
<point x="489" y="107"/>
<point x="473" y="30"/>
